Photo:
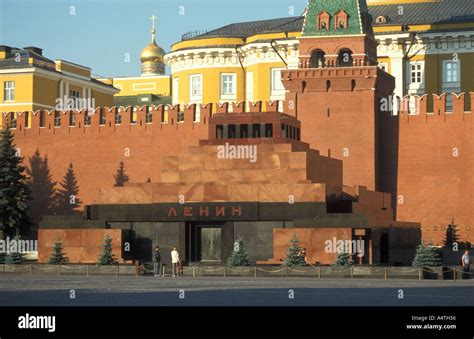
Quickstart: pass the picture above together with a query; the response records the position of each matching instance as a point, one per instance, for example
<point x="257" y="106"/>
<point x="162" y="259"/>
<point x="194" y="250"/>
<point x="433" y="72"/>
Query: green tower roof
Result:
<point x="355" y="9"/>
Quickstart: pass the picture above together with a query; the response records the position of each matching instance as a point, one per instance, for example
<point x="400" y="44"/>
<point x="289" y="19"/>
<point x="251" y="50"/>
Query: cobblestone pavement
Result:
<point x="231" y="291"/>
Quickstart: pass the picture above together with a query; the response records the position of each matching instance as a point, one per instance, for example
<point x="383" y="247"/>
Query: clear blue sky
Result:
<point x="101" y="32"/>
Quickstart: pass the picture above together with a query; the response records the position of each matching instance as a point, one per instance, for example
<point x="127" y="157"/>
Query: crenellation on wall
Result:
<point x="131" y="117"/>
<point x="190" y="113"/>
<point x="272" y="106"/>
<point x="206" y="111"/>
<point x="135" y="118"/>
<point x="458" y="102"/>
<point x="172" y="114"/>
<point x="109" y="114"/>
<point x="420" y="107"/>
<point x="238" y="107"/>
<point x="255" y="106"/>
<point x="95" y="117"/>
<point x="222" y="108"/>
<point x="20" y="121"/>
<point x="35" y="121"/>
<point x="439" y="103"/>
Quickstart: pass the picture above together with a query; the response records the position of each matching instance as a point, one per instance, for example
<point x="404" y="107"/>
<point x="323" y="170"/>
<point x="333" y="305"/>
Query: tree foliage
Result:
<point x="16" y="257"/>
<point x="107" y="257"/>
<point x="239" y="256"/>
<point x="426" y="256"/>
<point x="293" y="254"/>
<point x="14" y="190"/>
<point x="58" y="257"/>
<point x="343" y="259"/>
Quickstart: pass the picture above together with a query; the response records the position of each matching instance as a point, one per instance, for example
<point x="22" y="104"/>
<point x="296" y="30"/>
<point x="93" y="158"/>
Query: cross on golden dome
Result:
<point x="153" y="31"/>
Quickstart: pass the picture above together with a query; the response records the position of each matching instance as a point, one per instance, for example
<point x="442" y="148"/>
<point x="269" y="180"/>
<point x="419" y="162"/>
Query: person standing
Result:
<point x="157" y="263"/>
<point x="175" y="261"/>
<point x="303" y="255"/>
<point x="466" y="264"/>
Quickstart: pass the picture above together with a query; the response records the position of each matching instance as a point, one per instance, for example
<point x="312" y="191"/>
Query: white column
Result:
<point x="397" y="72"/>
<point x="61" y="90"/>
<point x="90" y="103"/>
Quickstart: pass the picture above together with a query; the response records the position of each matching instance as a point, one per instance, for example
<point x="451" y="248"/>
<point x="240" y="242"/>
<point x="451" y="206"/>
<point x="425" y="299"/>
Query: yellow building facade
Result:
<point x="240" y="62"/>
<point x="31" y="82"/>
<point x="140" y="90"/>
<point x="229" y="69"/>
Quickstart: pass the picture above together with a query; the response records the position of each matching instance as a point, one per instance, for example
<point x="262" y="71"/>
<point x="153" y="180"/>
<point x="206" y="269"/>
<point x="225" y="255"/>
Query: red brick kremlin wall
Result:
<point x="430" y="183"/>
<point x="436" y="168"/>
<point x="96" y="150"/>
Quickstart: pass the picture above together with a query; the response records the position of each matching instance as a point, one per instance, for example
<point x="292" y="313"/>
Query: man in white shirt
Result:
<point x="466" y="264"/>
<point x="175" y="261"/>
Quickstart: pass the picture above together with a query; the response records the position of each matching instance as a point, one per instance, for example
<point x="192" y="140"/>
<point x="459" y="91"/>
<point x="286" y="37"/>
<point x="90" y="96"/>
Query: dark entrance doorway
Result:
<point x="384" y="248"/>
<point x="204" y="242"/>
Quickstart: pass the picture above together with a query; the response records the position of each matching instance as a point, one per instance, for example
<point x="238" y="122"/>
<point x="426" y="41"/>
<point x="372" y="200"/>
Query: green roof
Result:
<point x="353" y="8"/>
<point x="440" y="12"/>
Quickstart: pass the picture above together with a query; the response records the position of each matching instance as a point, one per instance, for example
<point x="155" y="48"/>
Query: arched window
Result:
<point x="345" y="58"/>
<point x="317" y="59"/>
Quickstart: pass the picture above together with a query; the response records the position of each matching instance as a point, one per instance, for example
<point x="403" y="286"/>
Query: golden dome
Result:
<point x="152" y="56"/>
<point x="152" y="53"/>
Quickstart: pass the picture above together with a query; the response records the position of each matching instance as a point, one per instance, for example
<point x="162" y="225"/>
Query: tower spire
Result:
<point x="153" y="31"/>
